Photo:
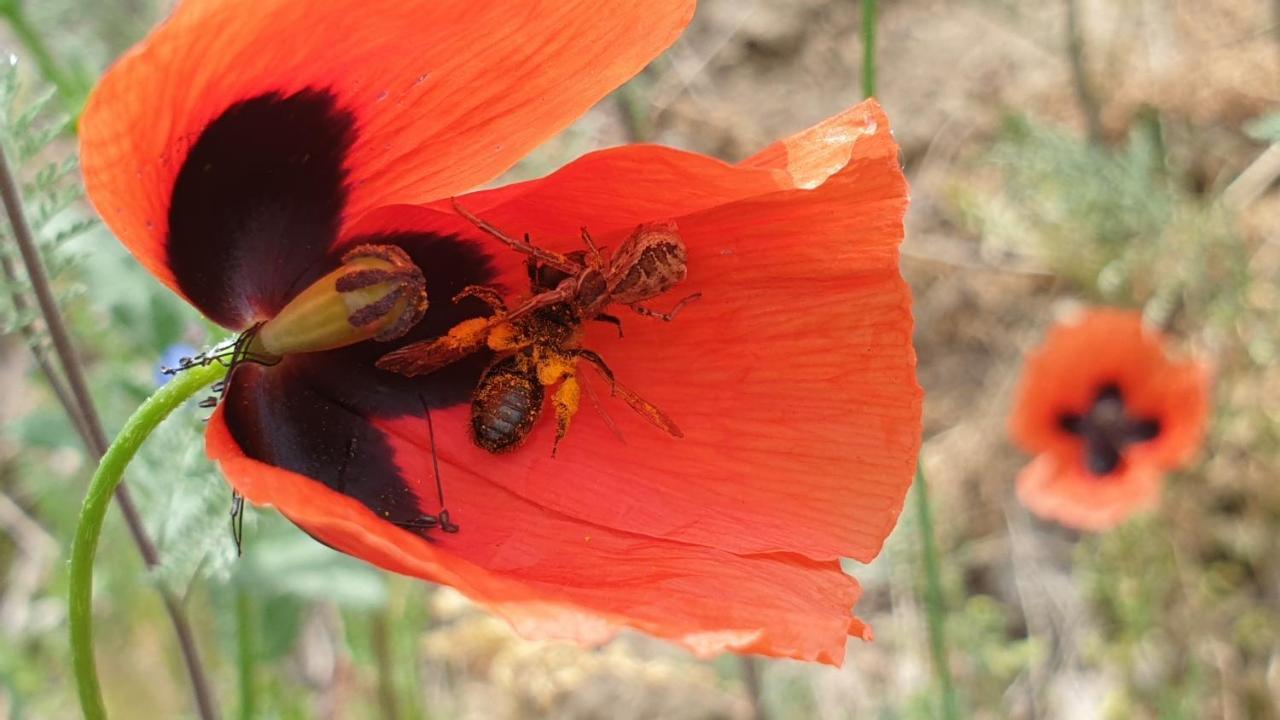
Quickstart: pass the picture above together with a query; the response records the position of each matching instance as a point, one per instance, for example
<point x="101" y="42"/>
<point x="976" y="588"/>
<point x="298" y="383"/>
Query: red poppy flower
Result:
<point x="244" y="148"/>
<point x="1108" y="411"/>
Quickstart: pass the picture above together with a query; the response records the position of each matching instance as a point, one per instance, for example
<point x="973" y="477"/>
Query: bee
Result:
<point x="539" y="342"/>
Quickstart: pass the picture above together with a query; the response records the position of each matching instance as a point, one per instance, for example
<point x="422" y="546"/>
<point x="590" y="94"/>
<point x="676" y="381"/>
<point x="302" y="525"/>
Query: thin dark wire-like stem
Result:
<point x="38" y="351"/>
<point x="1080" y="74"/>
<point x="48" y="306"/>
<point x="868" y="48"/>
<point x="95" y="438"/>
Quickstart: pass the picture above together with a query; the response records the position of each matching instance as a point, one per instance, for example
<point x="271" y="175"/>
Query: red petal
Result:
<point x="1064" y="491"/>
<point x="446" y="94"/>
<point x="554" y="576"/>
<point x="793" y="378"/>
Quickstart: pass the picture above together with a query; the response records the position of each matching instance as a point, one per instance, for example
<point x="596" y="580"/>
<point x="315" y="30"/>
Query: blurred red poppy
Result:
<point x="1108" y="411"/>
<point x="244" y="147"/>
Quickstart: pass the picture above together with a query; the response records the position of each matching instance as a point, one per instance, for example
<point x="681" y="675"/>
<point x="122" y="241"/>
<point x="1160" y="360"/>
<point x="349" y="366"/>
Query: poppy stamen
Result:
<point x="1107" y="430"/>
<point x="426" y="521"/>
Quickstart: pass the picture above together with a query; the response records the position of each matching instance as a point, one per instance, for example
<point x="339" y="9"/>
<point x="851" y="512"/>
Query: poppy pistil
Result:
<point x="377" y="293"/>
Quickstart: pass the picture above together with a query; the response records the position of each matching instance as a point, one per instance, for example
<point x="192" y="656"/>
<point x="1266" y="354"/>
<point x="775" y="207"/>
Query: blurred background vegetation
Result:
<point x="1139" y="169"/>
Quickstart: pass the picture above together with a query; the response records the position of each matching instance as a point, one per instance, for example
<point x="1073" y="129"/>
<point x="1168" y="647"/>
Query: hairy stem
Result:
<point x="935" y="610"/>
<point x="85" y="545"/>
<point x="85" y="417"/>
<point x="868" y="48"/>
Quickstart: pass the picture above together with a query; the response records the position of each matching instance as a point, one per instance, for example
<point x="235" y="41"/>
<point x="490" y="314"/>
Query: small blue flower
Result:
<point x="169" y="359"/>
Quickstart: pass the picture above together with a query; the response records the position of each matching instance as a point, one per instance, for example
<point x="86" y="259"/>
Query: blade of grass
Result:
<point x="380" y="643"/>
<point x="246" y="653"/>
<point x="868" y="48"/>
<point x="935" y="609"/>
<point x="85" y="545"/>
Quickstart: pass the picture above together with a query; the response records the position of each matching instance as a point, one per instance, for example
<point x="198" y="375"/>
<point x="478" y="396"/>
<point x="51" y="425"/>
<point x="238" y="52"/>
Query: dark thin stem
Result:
<point x="868" y="48"/>
<point x="32" y="337"/>
<point x="1080" y="74"/>
<point x="95" y="438"/>
<point x="935" y="609"/>
<point x="380" y="641"/>
<point x="69" y="89"/>
<point x="751" y="678"/>
<point x="48" y="306"/>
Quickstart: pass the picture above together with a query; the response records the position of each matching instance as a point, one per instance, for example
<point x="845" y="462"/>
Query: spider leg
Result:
<point x="237" y="521"/>
<point x="426" y="521"/>
<point x="548" y="257"/>
<point x="666" y="316"/>
<point x="563" y="293"/>
<point x="596" y="255"/>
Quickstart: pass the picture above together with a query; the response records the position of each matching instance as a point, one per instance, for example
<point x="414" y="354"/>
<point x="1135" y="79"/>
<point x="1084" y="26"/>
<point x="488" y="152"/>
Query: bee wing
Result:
<point x="647" y="410"/>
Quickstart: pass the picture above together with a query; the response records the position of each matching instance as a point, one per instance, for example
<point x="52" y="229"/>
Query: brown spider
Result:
<point x="539" y="341"/>
<point x="650" y="261"/>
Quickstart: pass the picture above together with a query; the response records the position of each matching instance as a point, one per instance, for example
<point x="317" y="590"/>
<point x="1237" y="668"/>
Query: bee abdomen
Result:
<point x="505" y="406"/>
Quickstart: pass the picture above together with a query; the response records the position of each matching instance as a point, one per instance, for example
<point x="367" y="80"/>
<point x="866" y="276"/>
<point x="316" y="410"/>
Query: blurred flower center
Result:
<point x="1107" y="430"/>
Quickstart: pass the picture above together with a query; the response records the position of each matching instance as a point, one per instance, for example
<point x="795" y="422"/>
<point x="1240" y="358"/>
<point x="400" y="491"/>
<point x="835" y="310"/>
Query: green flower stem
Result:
<point x="935" y="611"/>
<point x="85" y="546"/>
<point x="868" y="48"/>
